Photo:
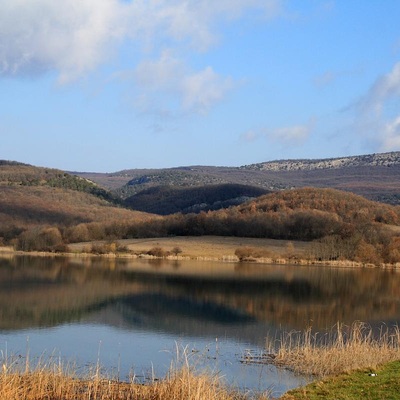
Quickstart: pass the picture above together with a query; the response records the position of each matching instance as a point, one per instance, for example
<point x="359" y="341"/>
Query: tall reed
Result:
<point x="53" y="381"/>
<point x="342" y="349"/>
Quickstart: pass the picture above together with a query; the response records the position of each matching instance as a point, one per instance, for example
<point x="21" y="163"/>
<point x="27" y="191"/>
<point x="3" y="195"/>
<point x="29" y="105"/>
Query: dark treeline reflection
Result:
<point x="191" y="297"/>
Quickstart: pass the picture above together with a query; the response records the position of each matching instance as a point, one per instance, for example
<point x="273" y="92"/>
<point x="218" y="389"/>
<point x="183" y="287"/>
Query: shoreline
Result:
<point x="203" y="248"/>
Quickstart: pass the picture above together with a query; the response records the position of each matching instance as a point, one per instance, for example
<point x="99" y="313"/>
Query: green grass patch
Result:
<point x="354" y="386"/>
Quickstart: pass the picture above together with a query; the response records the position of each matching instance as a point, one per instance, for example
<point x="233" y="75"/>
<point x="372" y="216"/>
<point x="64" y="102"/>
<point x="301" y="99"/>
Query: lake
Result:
<point x="135" y="317"/>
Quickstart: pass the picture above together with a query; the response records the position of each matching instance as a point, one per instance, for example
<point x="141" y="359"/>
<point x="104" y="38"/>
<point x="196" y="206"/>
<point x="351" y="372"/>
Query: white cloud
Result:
<point x="72" y="37"/>
<point x="249" y="136"/>
<point x="202" y="89"/>
<point x="385" y="88"/>
<point x="67" y="36"/>
<point x="291" y="135"/>
<point x="161" y="74"/>
<point x="168" y="80"/>
<point x="391" y="136"/>
<point x="376" y="116"/>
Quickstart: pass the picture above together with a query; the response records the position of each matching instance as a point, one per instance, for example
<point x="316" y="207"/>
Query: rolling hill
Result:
<point x="374" y="176"/>
<point x="46" y="209"/>
<point x="166" y="200"/>
<point x="33" y="196"/>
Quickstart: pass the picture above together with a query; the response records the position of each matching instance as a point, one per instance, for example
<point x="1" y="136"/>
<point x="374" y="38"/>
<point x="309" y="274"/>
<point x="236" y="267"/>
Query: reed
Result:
<point x="53" y="381"/>
<point x="342" y="349"/>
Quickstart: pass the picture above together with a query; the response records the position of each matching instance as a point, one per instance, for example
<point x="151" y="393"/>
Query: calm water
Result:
<point x="135" y="317"/>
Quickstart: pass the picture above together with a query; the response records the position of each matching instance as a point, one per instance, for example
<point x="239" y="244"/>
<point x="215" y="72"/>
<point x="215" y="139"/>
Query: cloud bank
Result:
<point x="288" y="136"/>
<point x="74" y="37"/>
<point x="194" y="90"/>
<point x="378" y="113"/>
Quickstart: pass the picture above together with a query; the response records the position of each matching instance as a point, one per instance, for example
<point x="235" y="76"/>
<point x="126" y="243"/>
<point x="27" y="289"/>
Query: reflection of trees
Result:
<point x="48" y="291"/>
<point x="39" y="291"/>
<point x="300" y="297"/>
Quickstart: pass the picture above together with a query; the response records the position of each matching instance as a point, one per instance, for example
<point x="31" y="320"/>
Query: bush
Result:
<point x="157" y="252"/>
<point x="176" y="250"/>
<point x="245" y="253"/>
<point x="40" y="239"/>
<point x="106" y="248"/>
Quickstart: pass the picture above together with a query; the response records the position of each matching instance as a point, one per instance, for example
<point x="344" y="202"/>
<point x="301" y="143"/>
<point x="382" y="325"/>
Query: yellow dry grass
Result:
<point x="51" y="382"/>
<point x="339" y="351"/>
<point x="213" y="247"/>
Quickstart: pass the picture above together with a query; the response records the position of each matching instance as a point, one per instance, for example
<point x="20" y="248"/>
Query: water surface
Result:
<point x="135" y="317"/>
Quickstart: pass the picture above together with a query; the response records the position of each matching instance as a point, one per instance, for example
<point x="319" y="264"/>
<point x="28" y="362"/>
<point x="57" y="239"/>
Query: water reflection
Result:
<point x="226" y="294"/>
<point x="158" y="302"/>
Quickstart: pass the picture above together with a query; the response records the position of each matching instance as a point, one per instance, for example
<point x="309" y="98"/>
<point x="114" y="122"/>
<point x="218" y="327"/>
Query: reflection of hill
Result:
<point x="300" y="296"/>
<point x="38" y="292"/>
<point x="241" y="300"/>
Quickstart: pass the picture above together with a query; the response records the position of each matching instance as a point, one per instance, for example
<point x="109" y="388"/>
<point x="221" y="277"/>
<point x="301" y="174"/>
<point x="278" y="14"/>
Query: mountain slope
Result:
<point x="18" y="174"/>
<point x="374" y="176"/>
<point x="346" y="207"/>
<point x="32" y="197"/>
<point x="27" y="206"/>
<point x="165" y="200"/>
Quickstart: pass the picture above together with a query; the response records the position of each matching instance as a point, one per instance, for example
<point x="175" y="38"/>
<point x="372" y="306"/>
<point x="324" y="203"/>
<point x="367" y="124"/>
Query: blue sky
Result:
<point x="106" y="85"/>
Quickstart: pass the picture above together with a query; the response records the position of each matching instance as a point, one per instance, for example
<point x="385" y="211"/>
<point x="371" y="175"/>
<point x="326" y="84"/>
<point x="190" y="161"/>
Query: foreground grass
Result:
<point x="341" y="350"/>
<point x="336" y="354"/>
<point x="376" y="384"/>
<point x="49" y="383"/>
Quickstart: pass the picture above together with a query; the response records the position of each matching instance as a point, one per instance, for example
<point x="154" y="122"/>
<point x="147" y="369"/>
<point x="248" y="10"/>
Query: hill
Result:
<point x="341" y="225"/>
<point x="18" y="174"/>
<point x="166" y="200"/>
<point x="374" y="176"/>
<point x="36" y="198"/>
<point x="347" y="207"/>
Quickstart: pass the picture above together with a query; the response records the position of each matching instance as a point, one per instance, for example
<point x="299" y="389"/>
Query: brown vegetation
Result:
<point x="53" y="382"/>
<point x="341" y="350"/>
<point x="166" y="200"/>
<point x="341" y="225"/>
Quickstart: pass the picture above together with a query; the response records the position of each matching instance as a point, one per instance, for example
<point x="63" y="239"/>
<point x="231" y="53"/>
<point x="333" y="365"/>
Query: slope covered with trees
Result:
<point x="374" y="176"/>
<point x="166" y="200"/>
<point x="46" y="209"/>
<point x="18" y="174"/>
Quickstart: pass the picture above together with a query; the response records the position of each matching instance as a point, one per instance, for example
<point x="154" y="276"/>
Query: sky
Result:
<point x="107" y="85"/>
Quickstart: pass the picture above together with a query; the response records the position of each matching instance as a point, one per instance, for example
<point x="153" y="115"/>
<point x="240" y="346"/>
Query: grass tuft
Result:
<point x="341" y="350"/>
<point x="383" y="384"/>
<point x="52" y="381"/>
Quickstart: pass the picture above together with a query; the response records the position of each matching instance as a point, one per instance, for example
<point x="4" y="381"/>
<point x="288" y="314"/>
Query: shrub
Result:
<point x="245" y="253"/>
<point x="157" y="252"/>
<point x="40" y="239"/>
<point x="176" y="250"/>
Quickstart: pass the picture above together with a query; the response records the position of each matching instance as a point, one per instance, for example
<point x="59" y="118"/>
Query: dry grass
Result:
<point x="341" y="350"/>
<point x="213" y="247"/>
<point x="54" y="382"/>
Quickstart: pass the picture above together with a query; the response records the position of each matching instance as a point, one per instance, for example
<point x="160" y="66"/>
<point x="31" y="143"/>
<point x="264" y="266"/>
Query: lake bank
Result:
<point x="208" y="248"/>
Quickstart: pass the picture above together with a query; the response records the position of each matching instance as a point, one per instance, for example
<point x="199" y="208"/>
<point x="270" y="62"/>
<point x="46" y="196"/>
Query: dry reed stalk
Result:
<point x="50" y="381"/>
<point x="341" y="350"/>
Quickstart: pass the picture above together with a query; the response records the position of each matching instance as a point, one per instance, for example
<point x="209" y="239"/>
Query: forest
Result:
<point x="342" y="225"/>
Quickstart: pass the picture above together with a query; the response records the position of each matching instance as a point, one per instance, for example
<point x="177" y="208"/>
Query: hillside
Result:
<point x="368" y="160"/>
<point x="166" y="200"/>
<point x="347" y="207"/>
<point x="36" y="198"/>
<point x="374" y="176"/>
<point x="14" y="174"/>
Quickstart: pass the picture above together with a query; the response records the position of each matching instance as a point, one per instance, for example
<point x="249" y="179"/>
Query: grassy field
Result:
<point x="214" y="247"/>
<point x="53" y="382"/>
<point x="382" y="383"/>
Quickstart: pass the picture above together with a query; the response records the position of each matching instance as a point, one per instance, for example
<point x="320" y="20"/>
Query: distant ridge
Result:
<point x="374" y="176"/>
<point x="378" y="159"/>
